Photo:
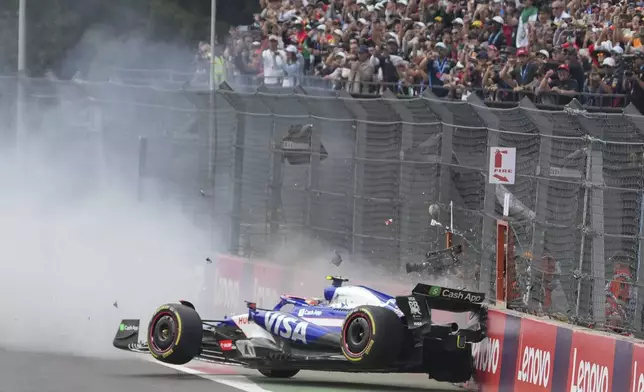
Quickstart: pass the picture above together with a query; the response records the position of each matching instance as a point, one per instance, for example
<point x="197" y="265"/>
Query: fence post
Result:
<point x="406" y="143"/>
<point x="142" y="158"/>
<point x="490" y="120"/>
<point x="275" y="176"/>
<point x="359" y="150"/>
<point x="97" y="129"/>
<point x="447" y="153"/>
<point x="313" y="177"/>
<point x="239" y="135"/>
<point x="632" y="112"/>
<point x="593" y="204"/>
<point x="542" y="172"/>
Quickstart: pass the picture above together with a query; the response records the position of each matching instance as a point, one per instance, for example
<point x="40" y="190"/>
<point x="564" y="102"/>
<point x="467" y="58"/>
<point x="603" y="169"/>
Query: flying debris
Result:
<point x="336" y="259"/>
<point x="116" y="304"/>
<point x="208" y="260"/>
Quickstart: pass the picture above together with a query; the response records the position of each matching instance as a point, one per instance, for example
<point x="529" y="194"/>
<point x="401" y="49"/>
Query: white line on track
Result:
<point x="243" y="384"/>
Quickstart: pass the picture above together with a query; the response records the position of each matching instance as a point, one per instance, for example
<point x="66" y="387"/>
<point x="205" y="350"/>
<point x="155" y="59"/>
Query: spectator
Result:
<point x="293" y="67"/>
<point x="499" y="49"/>
<point x="273" y="61"/>
<point x="563" y="85"/>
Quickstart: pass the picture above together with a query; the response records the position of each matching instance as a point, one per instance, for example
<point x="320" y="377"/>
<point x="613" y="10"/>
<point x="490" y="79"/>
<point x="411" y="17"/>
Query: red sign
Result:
<point x="637" y="369"/>
<point x="487" y="354"/>
<point x="227" y="282"/>
<point x="591" y="363"/>
<point x="535" y="356"/>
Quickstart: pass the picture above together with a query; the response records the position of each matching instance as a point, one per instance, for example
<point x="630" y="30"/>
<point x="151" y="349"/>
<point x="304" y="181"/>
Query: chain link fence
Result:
<point x="360" y="175"/>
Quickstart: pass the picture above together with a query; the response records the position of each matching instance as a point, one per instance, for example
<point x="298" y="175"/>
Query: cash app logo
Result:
<point x="435" y="291"/>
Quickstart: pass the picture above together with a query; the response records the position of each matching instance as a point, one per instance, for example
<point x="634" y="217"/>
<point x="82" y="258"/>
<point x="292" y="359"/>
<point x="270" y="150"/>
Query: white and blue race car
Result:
<point x="352" y="329"/>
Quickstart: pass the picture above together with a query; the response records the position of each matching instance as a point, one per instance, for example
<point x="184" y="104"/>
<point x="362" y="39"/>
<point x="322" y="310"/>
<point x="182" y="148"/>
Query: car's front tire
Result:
<point x="278" y="373"/>
<point x="371" y="336"/>
<point x="174" y="334"/>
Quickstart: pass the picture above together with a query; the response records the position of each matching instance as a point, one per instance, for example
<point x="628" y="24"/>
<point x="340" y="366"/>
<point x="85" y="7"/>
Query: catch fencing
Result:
<point x="270" y="166"/>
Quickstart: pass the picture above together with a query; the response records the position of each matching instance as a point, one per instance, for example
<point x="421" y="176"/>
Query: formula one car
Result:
<point x="353" y="329"/>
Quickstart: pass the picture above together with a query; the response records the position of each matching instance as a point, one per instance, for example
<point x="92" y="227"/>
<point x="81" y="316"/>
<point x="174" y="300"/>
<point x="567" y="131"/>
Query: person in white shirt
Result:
<point x="293" y="67"/>
<point x="273" y="60"/>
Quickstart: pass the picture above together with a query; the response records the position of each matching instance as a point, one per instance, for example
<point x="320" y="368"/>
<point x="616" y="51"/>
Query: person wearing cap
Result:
<point x="563" y="85"/>
<point x="362" y="72"/>
<point x="273" y="60"/>
<point x="496" y="37"/>
<point x="437" y="66"/>
<point x="293" y="67"/>
<point x="610" y="83"/>
<point x="522" y="69"/>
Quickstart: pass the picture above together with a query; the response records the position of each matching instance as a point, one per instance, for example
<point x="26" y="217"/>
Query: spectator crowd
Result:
<point x="501" y="50"/>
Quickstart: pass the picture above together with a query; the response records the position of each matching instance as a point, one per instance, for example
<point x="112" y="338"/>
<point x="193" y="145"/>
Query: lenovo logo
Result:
<point x="486" y="355"/>
<point x="535" y="367"/>
<point x="588" y="376"/>
<point x="638" y="380"/>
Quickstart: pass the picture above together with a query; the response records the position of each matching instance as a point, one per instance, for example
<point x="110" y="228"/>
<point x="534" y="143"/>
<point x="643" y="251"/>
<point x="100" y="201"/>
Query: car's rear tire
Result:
<point x="372" y="336"/>
<point x="174" y="334"/>
<point x="278" y="373"/>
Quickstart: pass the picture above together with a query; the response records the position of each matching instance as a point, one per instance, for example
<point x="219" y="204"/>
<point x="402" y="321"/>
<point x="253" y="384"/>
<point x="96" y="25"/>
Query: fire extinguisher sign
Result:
<point x="502" y="165"/>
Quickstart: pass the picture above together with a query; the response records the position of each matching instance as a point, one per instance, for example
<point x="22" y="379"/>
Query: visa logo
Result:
<point x="286" y="326"/>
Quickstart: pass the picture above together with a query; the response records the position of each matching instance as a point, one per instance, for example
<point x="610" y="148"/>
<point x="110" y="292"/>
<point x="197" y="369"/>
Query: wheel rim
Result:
<point x="163" y="332"/>
<point x="357" y="335"/>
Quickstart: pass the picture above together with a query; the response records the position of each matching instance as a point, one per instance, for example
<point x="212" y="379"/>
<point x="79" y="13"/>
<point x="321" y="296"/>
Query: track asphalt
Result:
<point x="43" y="372"/>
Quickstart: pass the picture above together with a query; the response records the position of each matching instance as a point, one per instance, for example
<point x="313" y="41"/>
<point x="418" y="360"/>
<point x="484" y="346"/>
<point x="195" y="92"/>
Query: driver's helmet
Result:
<point x="312" y="301"/>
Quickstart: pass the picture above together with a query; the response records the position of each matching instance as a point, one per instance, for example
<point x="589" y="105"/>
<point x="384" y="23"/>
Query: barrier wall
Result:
<point x="520" y="354"/>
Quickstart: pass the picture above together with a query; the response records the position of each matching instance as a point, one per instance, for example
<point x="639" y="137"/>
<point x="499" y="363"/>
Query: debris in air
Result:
<point x="389" y="221"/>
<point x="208" y="260"/>
<point x="336" y="259"/>
<point x="116" y="304"/>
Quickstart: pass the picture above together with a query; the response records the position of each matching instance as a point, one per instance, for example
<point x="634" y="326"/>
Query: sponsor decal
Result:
<point x="461" y="295"/>
<point x="637" y="369"/>
<point x="414" y="308"/>
<point x="308" y="312"/>
<point x="535" y="357"/>
<point x="591" y="363"/>
<point x="226" y="345"/>
<point x="286" y="326"/>
<point x="243" y="320"/>
<point x="124" y="327"/>
<point x="488" y="354"/>
<point x="434" y="291"/>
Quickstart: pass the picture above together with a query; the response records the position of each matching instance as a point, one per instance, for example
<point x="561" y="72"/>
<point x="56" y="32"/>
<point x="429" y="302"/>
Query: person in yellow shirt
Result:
<point x="218" y="67"/>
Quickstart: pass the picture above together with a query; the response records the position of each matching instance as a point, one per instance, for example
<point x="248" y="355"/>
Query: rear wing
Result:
<point x="417" y="306"/>
<point x="448" y="299"/>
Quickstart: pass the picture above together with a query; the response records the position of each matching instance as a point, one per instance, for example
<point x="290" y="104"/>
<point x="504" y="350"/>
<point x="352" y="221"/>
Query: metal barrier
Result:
<point x="499" y="97"/>
<point x="362" y="177"/>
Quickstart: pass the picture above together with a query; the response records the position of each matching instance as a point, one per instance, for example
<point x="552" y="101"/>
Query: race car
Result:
<point x="352" y="329"/>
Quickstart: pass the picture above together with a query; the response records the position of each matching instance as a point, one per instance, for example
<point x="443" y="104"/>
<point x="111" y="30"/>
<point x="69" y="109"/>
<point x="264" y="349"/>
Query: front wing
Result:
<point x="226" y="344"/>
